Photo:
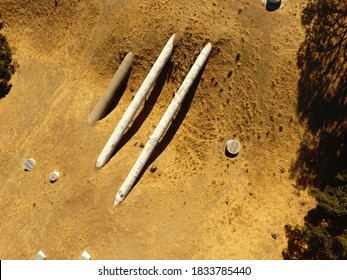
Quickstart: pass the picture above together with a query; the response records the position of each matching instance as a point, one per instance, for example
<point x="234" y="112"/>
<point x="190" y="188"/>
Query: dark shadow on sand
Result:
<point x="228" y="154"/>
<point x="322" y="156"/>
<point x="271" y="7"/>
<point x="5" y="88"/>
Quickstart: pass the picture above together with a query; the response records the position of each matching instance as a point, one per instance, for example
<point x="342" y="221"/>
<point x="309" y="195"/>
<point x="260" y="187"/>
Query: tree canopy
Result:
<point x="6" y="66"/>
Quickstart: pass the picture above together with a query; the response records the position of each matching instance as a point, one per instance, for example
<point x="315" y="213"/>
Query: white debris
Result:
<point x="40" y="256"/>
<point x="85" y="256"/>
<point x="53" y="176"/>
<point x="29" y="164"/>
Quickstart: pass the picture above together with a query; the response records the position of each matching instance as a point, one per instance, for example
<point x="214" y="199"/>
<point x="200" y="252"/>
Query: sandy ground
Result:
<point x="199" y="204"/>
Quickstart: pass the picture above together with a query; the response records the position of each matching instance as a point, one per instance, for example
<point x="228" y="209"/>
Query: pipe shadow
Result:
<point x="148" y="106"/>
<point x="271" y="7"/>
<point x="175" y="124"/>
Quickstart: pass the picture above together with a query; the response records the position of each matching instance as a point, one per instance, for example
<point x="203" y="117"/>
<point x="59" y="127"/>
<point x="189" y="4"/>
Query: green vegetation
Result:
<point x="324" y="235"/>
<point x="333" y="199"/>
<point x="6" y="66"/>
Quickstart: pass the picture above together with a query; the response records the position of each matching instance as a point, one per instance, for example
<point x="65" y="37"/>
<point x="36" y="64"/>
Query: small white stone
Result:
<point x="29" y="164"/>
<point x="40" y="256"/>
<point x="53" y="176"/>
<point x="85" y="256"/>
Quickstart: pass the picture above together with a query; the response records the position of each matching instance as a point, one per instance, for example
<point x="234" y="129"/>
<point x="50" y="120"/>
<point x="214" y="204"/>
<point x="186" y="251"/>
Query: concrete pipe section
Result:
<point x="135" y="104"/>
<point x="29" y="164"/>
<point x="232" y="148"/>
<point x="163" y="125"/>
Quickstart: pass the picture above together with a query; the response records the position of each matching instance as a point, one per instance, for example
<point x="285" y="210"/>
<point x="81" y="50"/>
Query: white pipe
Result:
<point x="135" y="104"/>
<point x="162" y="126"/>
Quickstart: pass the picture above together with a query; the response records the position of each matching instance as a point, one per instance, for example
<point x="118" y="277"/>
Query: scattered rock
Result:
<point x="153" y="169"/>
<point x="40" y="256"/>
<point x="29" y="164"/>
<point x="282" y="169"/>
<point x="274" y="235"/>
<point x="85" y="256"/>
<point x="54" y="176"/>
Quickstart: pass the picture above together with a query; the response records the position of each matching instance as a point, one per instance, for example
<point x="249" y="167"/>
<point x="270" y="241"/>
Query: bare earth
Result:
<point x="199" y="204"/>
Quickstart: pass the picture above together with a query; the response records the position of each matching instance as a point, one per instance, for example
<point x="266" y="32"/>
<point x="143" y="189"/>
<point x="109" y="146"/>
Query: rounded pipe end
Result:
<point x="172" y="38"/>
<point x="118" y="200"/>
<point x="91" y="120"/>
<point x="130" y="56"/>
<point x="99" y="165"/>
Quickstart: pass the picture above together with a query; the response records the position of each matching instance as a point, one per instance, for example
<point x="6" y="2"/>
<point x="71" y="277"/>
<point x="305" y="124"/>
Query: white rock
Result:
<point x="29" y="164"/>
<point x="40" y="256"/>
<point x="54" y="176"/>
<point x="85" y="256"/>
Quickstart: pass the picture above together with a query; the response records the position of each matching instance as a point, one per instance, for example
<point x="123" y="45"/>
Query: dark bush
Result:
<point x="324" y="235"/>
<point x="322" y="157"/>
<point x="6" y="66"/>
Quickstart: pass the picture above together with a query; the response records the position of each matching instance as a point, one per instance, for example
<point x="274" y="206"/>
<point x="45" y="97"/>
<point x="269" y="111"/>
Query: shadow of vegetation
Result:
<point x="322" y="159"/>
<point x="5" y="88"/>
<point x="147" y="108"/>
<point x="322" y="60"/>
<point x="7" y="68"/>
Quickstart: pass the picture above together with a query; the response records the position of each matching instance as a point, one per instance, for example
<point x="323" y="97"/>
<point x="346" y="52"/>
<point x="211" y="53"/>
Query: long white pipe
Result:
<point x="162" y="126"/>
<point x="135" y="104"/>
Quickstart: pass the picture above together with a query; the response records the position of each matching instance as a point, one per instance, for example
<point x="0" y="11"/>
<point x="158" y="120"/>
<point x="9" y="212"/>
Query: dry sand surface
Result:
<point x="198" y="204"/>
